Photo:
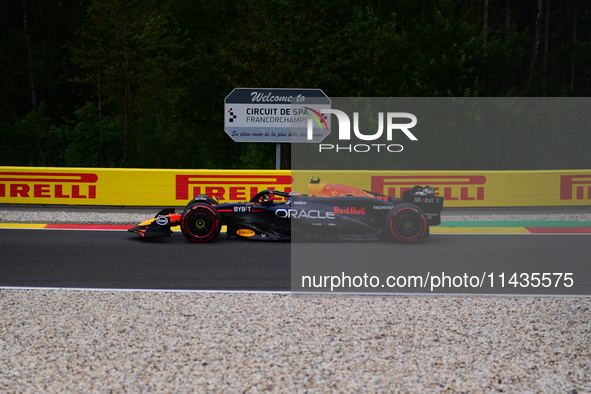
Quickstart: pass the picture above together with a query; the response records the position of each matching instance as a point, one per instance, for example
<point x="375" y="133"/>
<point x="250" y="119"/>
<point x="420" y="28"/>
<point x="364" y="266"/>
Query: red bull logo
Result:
<point x="452" y="187"/>
<point x="48" y="185"/>
<point x="229" y="187"/>
<point x="349" y="211"/>
<point x="571" y="186"/>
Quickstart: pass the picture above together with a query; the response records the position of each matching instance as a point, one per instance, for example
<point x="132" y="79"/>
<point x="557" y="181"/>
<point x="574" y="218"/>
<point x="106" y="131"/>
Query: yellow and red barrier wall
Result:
<point x="158" y="187"/>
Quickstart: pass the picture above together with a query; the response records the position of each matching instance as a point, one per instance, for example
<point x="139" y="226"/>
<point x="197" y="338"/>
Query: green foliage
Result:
<point x="92" y="142"/>
<point x="132" y="51"/>
<point x="39" y="139"/>
<point x="141" y="83"/>
<point x="255" y="156"/>
<point x="280" y="43"/>
<point x="439" y="53"/>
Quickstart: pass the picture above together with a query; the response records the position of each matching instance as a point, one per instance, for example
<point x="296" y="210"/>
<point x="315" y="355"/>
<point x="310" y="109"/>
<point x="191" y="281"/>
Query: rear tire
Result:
<point x="201" y="223"/>
<point x="406" y="223"/>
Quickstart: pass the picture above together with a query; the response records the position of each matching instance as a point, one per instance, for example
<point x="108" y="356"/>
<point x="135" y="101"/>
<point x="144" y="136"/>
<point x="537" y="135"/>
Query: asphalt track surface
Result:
<point x="122" y="260"/>
<point x="119" y="259"/>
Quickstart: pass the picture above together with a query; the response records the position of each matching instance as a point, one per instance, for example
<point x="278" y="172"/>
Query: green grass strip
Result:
<point x="515" y="223"/>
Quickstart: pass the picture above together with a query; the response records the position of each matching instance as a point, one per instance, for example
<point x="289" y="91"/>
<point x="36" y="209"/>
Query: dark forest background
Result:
<point x="141" y="83"/>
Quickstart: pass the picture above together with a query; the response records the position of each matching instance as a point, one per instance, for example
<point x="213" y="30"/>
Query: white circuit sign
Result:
<point x="274" y="115"/>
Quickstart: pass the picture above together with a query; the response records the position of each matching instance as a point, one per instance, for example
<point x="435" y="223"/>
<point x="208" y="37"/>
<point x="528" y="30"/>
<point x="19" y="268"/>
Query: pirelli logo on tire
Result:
<point x="42" y="187"/>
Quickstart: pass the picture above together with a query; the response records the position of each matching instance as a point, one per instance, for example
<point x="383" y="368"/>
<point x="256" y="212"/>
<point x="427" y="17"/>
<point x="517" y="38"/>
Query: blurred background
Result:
<point x="141" y="83"/>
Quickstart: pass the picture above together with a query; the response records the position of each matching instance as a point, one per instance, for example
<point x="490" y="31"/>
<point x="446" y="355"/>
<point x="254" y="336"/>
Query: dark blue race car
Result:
<point x="331" y="211"/>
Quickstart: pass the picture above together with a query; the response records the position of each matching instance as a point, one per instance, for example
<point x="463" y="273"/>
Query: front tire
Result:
<point x="201" y="223"/>
<point x="406" y="223"/>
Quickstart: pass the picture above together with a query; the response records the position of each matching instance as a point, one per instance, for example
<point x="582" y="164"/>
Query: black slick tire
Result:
<point x="201" y="223"/>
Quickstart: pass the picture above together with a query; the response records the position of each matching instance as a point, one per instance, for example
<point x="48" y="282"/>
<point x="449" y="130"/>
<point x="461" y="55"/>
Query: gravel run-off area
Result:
<point x="56" y="340"/>
<point x="139" y="341"/>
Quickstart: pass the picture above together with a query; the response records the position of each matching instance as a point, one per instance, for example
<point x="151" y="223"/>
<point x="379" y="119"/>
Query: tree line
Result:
<point x="137" y="83"/>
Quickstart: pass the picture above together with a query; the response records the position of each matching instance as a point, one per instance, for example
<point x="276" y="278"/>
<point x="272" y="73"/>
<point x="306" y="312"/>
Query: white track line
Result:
<point x="296" y="293"/>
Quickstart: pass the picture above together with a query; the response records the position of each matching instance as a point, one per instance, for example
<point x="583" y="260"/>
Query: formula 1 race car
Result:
<point x="328" y="211"/>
